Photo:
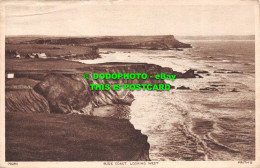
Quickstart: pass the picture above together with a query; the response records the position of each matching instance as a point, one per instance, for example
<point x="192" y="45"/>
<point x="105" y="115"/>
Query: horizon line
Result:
<point x="128" y="35"/>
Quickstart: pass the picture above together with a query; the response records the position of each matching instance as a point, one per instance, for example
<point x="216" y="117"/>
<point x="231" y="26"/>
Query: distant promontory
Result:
<point x="163" y="42"/>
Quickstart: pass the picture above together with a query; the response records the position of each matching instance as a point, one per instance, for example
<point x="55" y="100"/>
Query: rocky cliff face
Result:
<point x="72" y="93"/>
<point x="34" y="136"/>
<point x="23" y="99"/>
<point x="64" y="94"/>
<point x="165" y="43"/>
<point x="75" y="137"/>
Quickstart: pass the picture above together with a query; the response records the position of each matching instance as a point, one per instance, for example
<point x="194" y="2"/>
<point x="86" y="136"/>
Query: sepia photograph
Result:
<point x="121" y="83"/>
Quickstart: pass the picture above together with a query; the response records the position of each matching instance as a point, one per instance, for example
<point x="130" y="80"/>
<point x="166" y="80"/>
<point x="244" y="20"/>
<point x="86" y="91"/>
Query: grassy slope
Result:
<point x="54" y="137"/>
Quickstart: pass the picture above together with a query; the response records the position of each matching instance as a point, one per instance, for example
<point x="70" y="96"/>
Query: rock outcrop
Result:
<point x="149" y="69"/>
<point x="72" y="94"/>
<point x="209" y="88"/>
<point x="189" y="74"/>
<point x="64" y="94"/>
<point x="234" y="90"/>
<point x="183" y="88"/>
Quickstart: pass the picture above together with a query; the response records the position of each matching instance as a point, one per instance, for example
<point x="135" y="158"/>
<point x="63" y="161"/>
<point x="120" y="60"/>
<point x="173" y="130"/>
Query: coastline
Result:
<point x="46" y="83"/>
<point x="68" y="93"/>
<point x="65" y="78"/>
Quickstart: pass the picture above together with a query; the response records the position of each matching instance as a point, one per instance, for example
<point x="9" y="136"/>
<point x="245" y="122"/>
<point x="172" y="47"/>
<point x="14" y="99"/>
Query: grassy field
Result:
<point x="42" y="65"/>
<point x="51" y="50"/>
<point x="83" y="40"/>
<point x="163" y="42"/>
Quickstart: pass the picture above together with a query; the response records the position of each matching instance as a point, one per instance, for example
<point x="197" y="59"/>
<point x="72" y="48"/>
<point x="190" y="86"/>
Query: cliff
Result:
<point x="143" y="42"/>
<point x="54" y="137"/>
<point x="58" y="87"/>
<point x="66" y="91"/>
<point x="164" y="42"/>
<point x="23" y="99"/>
<point x="32" y="134"/>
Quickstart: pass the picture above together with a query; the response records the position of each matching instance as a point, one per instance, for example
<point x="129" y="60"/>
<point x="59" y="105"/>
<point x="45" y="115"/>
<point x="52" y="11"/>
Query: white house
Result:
<point x="37" y="55"/>
<point x="41" y="55"/>
<point x="10" y="75"/>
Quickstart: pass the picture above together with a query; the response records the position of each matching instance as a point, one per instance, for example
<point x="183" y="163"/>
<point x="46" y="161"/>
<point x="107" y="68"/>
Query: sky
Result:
<point x="98" y="18"/>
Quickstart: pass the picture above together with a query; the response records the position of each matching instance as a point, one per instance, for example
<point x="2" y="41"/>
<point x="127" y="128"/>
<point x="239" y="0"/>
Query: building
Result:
<point x="41" y="55"/>
<point x="37" y="55"/>
<point x="9" y="75"/>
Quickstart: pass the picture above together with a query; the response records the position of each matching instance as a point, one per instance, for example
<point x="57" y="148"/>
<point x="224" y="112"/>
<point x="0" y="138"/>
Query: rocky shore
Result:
<point x="95" y="124"/>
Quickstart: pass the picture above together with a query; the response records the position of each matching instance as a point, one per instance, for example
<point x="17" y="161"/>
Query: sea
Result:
<point x="211" y="124"/>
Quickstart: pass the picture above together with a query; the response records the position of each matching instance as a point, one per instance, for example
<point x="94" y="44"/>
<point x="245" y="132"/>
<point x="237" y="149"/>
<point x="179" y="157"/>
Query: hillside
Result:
<point x="166" y="42"/>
